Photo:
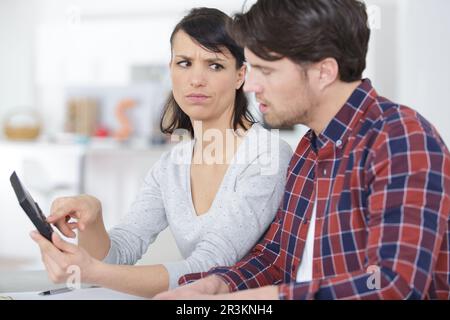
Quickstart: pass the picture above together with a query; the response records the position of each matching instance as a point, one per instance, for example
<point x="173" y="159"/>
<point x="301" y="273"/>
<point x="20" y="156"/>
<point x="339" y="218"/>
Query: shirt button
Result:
<point x="324" y="172"/>
<point x="338" y="143"/>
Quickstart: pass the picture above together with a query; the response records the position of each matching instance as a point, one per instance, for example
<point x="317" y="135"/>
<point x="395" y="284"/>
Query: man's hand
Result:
<point x="263" y="293"/>
<point x="207" y="289"/>
<point x="208" y="286"/>
<point x="60" y="255"/>
<point x="214" y="288"/>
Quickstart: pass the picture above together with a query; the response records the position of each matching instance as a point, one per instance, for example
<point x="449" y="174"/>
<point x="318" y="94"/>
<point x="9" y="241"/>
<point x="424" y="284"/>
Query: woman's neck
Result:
<point x="218" y="140"/>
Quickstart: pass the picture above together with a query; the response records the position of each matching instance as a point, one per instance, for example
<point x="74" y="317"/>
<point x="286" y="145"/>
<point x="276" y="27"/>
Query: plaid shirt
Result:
<point x="382" y="177"/>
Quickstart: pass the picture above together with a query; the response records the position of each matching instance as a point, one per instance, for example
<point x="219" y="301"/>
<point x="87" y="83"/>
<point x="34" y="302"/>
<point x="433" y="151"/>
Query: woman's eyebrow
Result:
<point x="182" y="57"/>
<point x="209" y="60"/>
<point x="215" y="60"/>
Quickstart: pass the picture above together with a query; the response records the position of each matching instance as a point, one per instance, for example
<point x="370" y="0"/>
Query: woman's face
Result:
<point x="204" y="83"/>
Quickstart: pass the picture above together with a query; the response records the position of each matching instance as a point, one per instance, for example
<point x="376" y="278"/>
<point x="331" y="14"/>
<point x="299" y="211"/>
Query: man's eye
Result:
<point x="265" y="72"/>
<point x="216" y="66"/>
<point x="183" y="64"/>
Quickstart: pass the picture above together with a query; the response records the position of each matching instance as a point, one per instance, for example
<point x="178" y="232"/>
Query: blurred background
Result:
<point x="82" y="84"/>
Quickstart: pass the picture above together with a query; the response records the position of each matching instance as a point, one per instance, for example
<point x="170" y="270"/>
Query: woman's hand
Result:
<point x="85" y="209"/>
<point x="60" y="257"/>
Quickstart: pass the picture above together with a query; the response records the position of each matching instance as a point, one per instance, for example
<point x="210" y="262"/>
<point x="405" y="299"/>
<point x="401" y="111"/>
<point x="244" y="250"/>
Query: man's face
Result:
<point x="282" y="89"/>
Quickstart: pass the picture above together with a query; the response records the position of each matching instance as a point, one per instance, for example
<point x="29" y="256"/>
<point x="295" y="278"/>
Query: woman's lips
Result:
<point x="263" y="108"/>
<point x="197" y="98"/>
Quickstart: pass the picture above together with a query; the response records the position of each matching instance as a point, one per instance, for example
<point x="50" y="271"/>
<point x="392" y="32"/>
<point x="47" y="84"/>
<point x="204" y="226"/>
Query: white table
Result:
<point x="25" y="285"/>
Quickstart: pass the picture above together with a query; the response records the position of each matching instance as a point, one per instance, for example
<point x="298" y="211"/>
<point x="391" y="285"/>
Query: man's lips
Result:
<point x="263" y="108"/>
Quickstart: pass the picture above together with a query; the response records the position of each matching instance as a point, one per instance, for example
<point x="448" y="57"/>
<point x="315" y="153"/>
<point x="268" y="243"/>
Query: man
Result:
<point x="367" y="200"/>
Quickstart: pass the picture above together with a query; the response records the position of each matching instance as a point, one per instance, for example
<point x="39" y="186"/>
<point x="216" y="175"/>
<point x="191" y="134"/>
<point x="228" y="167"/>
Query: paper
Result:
<point x="80" y="294"/>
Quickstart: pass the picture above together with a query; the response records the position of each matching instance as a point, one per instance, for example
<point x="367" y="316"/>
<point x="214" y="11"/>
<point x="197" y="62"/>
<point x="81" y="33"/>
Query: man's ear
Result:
<point x="241" y="76"/>
<point x="328" y="72"/>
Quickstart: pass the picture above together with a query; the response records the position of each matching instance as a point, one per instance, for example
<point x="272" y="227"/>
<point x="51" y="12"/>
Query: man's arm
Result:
<point x="258" y="268"/>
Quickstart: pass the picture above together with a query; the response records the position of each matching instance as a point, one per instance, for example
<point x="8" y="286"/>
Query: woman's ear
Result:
<point x="241" y="76"/>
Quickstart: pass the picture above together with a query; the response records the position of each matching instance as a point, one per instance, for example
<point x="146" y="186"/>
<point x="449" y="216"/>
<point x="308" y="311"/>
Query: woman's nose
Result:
<point x="197" y="78"/>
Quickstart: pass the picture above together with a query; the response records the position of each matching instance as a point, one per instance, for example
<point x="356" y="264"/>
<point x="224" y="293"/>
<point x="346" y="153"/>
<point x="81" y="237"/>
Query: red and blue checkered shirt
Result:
<point x="382" y="177"/>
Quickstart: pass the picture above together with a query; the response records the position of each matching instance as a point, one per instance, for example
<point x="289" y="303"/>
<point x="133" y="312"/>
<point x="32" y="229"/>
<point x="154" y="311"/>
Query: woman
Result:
<point x="217" y="197"/>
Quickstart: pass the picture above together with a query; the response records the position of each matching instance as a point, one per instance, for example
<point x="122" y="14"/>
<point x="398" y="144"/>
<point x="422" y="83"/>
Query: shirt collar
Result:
<point x="346" y="119"/>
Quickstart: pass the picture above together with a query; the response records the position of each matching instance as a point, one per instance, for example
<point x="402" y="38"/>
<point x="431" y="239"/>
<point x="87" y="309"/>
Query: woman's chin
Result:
<point x="199" y="119"/>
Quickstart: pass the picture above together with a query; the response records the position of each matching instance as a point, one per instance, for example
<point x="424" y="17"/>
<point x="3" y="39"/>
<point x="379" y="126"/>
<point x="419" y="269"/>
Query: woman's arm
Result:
<point x="130" y="239"/>
<point x="59" y="256"/>
<point x="144" y="281"/>
<point x="95" y="239"/>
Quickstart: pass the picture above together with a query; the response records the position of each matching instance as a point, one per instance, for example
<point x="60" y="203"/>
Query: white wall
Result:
<point x="407" y="58"/>
<point x="382" y="66"/>
<point x="17" y="21"/>
<point x="21" y="23"/>
<point x="424" y="60"/>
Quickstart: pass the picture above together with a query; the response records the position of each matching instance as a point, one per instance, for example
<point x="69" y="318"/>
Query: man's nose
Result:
<point x="250" y="84"/>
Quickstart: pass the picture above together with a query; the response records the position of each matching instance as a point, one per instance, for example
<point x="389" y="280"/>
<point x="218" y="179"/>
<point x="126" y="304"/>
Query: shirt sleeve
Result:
<point x="242" y="219"/>
<point x="140" y="227"/>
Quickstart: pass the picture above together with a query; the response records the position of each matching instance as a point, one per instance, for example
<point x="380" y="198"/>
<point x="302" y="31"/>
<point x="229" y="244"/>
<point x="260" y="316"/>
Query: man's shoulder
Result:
<point x="391" y="129"/>
<point x="391" y="120"/>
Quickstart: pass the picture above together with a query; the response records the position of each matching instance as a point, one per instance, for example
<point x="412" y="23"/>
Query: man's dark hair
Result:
<point x="207" y="27"/>
<point x="307" y="31"/>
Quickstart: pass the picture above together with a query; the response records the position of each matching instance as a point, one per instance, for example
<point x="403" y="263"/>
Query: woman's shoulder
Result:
<point x="263" y="151"/>
<point x="178" y="153"/>
<point x="171" y="160"/>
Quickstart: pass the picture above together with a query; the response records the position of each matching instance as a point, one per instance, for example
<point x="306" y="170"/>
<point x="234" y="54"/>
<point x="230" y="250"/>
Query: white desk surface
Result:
<point x="25" y="285"/>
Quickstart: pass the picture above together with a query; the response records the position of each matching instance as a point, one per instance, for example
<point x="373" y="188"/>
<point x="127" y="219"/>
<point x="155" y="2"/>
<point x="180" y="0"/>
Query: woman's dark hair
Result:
<point x="207" y="27"/>
<point x="307" y="31"/>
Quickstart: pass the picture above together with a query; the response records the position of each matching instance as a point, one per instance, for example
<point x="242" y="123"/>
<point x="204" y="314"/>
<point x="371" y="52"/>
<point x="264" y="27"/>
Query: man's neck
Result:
<point x="332" y="101"/>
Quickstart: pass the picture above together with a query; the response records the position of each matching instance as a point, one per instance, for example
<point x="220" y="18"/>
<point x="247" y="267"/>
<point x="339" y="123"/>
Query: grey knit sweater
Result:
<point x="243" y="208"/>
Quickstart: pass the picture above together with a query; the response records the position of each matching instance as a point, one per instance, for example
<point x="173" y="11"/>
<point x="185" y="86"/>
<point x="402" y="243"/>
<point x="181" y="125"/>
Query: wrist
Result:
<point x="93" y="205"/>
<point x="217" y="285"/>
<point x="95" y="272"/>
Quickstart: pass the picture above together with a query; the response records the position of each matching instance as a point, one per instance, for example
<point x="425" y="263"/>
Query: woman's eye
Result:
<point x="183" y="64"/>
<point x="216" y="66"/>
